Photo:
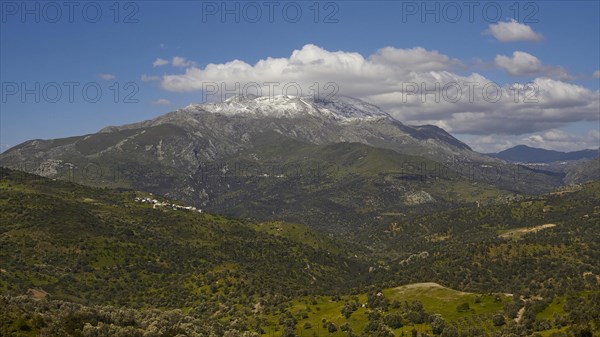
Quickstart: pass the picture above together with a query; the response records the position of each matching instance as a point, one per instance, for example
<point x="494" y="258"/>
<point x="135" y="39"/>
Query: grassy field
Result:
<point x="444" y="301"/>
<point x="555" y="307"/>
<point x="435" y="299"/>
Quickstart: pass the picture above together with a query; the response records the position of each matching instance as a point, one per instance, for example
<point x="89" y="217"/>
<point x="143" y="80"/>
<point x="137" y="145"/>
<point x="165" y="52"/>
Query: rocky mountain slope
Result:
<point x="335" y="161"/>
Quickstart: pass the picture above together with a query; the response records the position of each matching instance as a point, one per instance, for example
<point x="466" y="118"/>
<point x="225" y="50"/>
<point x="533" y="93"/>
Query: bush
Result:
<point x="438" y="325"/>
<point x="498" y="319"/>
<point x="463" y="307"/>
<point x="394" y="320"/>
<point x="449" y="331"/>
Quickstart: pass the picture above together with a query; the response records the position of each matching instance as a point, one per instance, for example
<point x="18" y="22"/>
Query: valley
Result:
<point x="102" y="251"/>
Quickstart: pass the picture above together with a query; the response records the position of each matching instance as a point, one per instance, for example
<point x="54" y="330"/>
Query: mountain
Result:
<point x="333" y="163"/>
<point x="312" y="120"/>
<point x="581" y="171"/>
<point x="526" y="154"/>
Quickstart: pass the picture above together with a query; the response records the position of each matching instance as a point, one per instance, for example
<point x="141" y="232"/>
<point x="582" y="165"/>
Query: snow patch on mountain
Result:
<point x="339" y="108"/>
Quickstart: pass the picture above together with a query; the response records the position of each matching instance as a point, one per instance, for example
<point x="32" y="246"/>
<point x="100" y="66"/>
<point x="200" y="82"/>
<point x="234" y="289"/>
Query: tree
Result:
<point x="394" y="320"/>
<point x="331" y="327"/>
<point x="377" y="301"/>
<point x="438" y="325"/>
<point x="347" y="310"/>
<point x="450" y="331"/>
<point x="498" y="319"/>
<point x="377" y="329"/>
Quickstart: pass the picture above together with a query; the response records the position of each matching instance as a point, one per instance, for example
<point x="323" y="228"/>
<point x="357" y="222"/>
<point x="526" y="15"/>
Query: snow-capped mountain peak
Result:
<point x="340" y="108"/>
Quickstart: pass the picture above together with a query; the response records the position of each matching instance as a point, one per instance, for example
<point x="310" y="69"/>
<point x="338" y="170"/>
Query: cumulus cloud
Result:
<point x="512" y="31"/>
<point x="161" y="101"/>
<point x="149" y="78"/>
<point x="106" y="77"/>
<point x="416" y="86"/>
<point x="523" y="108"/>
<point x="312" y="63"/>
<point x="524" y="64"/>
<point x="159" y="62"/>
<point x="181" y="62"/>
<point x="176" y="61"/>
<point x="596" y="74"/>
<point x="415" y="59"/>
<point x="553" y="139"/>
<point x="519" y="64"/>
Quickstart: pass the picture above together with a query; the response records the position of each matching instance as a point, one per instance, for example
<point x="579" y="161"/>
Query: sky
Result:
<point x="494" y="74"/>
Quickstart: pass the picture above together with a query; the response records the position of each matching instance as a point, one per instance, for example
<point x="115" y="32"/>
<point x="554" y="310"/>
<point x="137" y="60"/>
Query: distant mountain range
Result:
<point x="333" y="163"/>
<point x="526" y="154"/>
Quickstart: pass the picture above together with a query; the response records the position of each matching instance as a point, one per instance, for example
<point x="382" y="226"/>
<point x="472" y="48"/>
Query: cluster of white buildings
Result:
<point x="159" y="204"/>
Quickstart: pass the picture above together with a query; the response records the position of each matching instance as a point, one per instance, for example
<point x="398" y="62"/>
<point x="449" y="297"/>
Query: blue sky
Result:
<point x="561" y="54"/>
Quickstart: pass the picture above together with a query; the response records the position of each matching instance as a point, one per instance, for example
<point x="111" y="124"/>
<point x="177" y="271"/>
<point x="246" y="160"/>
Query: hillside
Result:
<point x="583" y="171"/>
<point x="332" y="164"/>
<point x="468" y="249"/>
<point x="68" y="240"/>
<point x="332" y="187"/>
<point x="77" y="258"/>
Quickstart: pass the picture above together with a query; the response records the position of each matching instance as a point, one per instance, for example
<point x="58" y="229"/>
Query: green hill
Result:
<point x="100" y="246"/>
<point x="82" y="261"/>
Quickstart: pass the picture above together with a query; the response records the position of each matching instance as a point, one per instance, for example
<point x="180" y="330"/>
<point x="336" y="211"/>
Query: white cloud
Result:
<point x="176" y="61"/>
<point x="150" y="78"/>
<point x="524" y="64"/>
<point x="520" y="64"/>
<point x="553" y="139"/>
<point x="181" y="62"/>
<point x="596" y="74"/>
<point x="512" y="31"/>
<point x="106" y="77"/>
<point x="159" y="62"/>
<point x="312" y="63"/>
<point x="542" y="105"/>
<point x="397" y="81"/>
<point x="415" y="59"/>
<point x="161" y="101"/>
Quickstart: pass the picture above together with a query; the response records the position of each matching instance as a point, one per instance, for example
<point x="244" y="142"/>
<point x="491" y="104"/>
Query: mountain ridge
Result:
<point x="303" y="164"/>
<point x="528" y="154"/>
<point x="336" y="112"/>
